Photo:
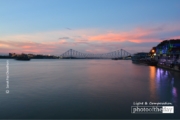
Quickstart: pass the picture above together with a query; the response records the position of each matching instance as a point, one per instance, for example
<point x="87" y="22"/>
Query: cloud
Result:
<point x="64" y="38"/>
<point x="31" y="47"/>
<point x="89" y="40"/>
<point x="69" y="28"/>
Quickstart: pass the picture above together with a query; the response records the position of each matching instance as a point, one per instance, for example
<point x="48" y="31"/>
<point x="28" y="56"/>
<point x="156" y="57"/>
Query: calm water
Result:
<point x="84" y="89"/>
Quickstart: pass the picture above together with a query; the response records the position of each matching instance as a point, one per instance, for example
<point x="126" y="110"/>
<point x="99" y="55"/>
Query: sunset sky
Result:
<point x="88" y="26"/>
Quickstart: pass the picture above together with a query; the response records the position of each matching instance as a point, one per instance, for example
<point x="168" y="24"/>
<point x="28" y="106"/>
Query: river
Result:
<point x="85" y="89"/>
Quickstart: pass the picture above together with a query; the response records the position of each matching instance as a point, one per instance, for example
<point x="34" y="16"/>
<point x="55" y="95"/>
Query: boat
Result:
<point x="128" y="58"/>
<point x="115" y="59"/>
<point x="121" y="58"/>
<point x="23" y="57"/>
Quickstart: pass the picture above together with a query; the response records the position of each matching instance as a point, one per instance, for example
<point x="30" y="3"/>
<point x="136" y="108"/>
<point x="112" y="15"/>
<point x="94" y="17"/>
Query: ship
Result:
<point x="114" y="59"/>
<point x="119" y="58"/>
<point x="23" y="57"/>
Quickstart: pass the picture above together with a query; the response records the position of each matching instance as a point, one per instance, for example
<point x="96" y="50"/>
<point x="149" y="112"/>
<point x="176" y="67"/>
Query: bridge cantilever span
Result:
<point x="73" y="54"/>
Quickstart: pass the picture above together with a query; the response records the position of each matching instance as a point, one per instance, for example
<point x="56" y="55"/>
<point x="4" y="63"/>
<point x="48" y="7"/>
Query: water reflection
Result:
<point x="152" y="74"/>
<point x="82" y="89"/>
<point x="167" y="84"/>
<point x="174" y="96"/>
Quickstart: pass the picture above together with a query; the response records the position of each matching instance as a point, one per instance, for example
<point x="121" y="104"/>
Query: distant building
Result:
<point x="12" y="54"/>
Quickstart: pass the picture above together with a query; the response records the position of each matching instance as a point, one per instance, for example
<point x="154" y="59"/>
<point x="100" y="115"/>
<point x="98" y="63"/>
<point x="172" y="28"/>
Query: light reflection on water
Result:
<point x="170" y="80"/>
<point x="84" y="89"/>
<point x="153" y="84"/>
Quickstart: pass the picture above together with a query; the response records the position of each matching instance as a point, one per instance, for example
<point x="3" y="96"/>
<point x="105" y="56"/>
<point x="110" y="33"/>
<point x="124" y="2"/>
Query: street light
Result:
<point x="153" y="51"/>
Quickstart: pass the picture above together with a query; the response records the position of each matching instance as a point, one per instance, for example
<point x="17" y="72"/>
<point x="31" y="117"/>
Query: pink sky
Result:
<point x="87" y="40"/>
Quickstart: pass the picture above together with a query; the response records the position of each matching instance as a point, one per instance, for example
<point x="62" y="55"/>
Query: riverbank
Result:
<point x="169" y="67"/>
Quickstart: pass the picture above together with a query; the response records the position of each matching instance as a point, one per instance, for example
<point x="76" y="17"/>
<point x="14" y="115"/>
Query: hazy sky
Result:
<point x="96" y="26"/>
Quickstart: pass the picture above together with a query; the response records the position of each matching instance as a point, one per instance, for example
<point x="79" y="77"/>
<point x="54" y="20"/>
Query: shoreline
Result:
<point x="175" y="68"/>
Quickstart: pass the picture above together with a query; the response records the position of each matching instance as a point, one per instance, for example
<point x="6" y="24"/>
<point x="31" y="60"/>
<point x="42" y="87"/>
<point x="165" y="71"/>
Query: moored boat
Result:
<point x="115" y="59"/>
<point x="23" y="57"/>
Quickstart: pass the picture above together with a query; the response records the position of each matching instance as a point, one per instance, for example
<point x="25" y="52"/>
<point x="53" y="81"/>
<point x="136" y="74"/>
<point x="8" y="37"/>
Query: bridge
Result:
<point x="73" y="54"/>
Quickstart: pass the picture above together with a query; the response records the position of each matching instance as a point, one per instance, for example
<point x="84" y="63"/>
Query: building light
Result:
<point x="154" y="54"/>
<point x="153" y="51"/>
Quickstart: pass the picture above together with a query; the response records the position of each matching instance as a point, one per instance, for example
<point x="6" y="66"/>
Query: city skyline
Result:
<point x="90" y="26"/>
